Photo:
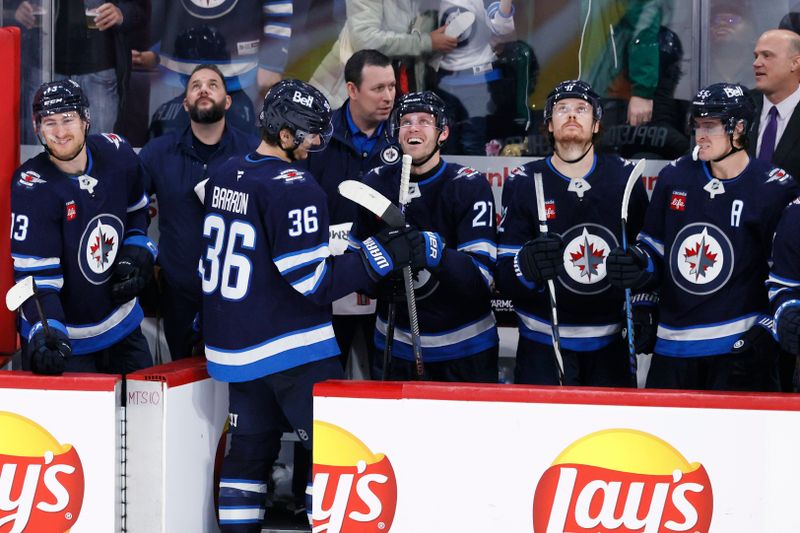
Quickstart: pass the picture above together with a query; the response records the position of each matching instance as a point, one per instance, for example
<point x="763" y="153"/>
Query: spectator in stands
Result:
<point x="731" y="39"/>
<point x="360" y="143"/>
<point x="254" y="33"/>
<point x="618" y="54"/>
<point x="175" y="164"/>
<point x="389" y="26"/>
<point x="97" y="56"/>
<point x="466" y="76"/>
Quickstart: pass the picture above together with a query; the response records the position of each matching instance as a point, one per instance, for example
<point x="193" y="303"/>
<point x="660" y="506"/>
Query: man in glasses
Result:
<point x="582" y="194"/>
<point x="455" y="205"/>
<point x="79" y="222"/>
<point x="705" y="246"/>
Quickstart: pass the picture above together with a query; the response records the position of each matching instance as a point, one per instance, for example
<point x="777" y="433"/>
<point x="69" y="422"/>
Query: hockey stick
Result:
<point x="413" y="319"/>
<point x="20" y="293"/>
<point x="633" y="177"/>
<point x="373" y="201"/>
<point x="551" y="289"/>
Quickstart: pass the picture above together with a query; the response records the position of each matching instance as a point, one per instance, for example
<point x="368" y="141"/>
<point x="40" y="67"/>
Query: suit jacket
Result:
<point x="787" y="153"/>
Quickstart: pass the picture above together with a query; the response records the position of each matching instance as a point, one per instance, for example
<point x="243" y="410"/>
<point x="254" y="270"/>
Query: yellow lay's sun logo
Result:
<point x="355" y="490"/>
<point x="41" y="481"/>
<point x="623" y="481"/>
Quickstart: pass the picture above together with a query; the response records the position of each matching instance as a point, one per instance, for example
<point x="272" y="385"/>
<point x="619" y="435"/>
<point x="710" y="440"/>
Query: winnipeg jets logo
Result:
<point x="290" y="175"/>
<point x="113" y="138"/>
<point x="588" y="257"/>
<point x="701" y="258"/>
<point x="585" y="251"/>
<point x="390" y="155"/>
<point x="466" y="172"/>
<point x="777" y="174"/>
<point x="30" y="178"/>
<point x="209" y="9"/>
<point x="100" y="244"/>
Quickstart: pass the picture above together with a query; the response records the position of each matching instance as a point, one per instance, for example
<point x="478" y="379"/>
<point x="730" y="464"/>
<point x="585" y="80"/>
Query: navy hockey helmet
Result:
<point x="298" y="107"/>
<point x="421" y="102"/>
<point x="60" y="96"/>
<point x="573" y="89"/>
<point x="728" y="102"/>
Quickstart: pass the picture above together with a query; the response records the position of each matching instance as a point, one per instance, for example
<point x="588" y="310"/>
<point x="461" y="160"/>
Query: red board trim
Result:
<point x="19" y="379"/>
<point x="174" y="374"/>
<point x="557" y="395"/>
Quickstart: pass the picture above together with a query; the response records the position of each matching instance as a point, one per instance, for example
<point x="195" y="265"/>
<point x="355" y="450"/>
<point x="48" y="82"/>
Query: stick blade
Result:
<point x="372" y="201"/>
<point x="19" y="293"/>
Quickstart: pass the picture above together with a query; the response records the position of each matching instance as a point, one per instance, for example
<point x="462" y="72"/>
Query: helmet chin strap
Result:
<point x="732" y="151"/>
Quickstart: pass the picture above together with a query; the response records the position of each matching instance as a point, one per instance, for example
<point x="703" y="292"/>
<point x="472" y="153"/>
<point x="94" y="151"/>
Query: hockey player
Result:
<point x="268" y="282"/>
<point x="705" y="245"/>
<point x="458" y="332"/>
<point x="79" y="216"/>
<point x="784" y="280"/>
<point x="582" y="192"/>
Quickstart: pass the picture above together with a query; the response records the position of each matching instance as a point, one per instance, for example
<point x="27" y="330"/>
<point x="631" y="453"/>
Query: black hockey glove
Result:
<point x="542" y="258"/>
<point x="645" y="327"/>
<point x="132" y="273"/>
<point x="627" y="269"/>
<point x="392" y="249"/>
<point x="758" y="338"/>
<point x="48" y="353"/>
<point x="789" y="330"/>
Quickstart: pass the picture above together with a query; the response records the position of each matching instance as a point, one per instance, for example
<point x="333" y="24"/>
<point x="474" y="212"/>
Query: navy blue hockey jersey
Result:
<point x="586" y="213"/>
<point x="455" y="316"/>
<point x="784" y="276"/>
<point x="710" y="241"/>
<point x="267" y="273"/>
<point x="67" y="231"/>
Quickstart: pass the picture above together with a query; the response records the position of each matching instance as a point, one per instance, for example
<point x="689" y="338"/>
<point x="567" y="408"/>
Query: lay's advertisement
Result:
<point x="429" y="465"/>
<point x="59" y="461"/>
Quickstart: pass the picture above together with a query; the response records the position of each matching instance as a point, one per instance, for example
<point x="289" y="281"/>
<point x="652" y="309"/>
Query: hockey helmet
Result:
<point x="728" y="102"/>
<point x="573" y="89"/>
<point x="298" y="107"/>
<point x="60" y="96"/>
<point x="421" y="102"/>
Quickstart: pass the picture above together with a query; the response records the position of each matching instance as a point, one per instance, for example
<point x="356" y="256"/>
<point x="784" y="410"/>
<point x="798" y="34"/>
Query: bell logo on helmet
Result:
<point x="734" y="90"/>
<point x="307" y="101"/>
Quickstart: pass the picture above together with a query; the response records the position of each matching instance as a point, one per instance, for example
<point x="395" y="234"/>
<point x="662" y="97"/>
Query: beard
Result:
<point x="209" y="115"/>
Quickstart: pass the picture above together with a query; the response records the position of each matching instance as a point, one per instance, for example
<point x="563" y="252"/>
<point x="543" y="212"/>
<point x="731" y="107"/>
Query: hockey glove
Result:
<point x="645" y="327"/>
<point x="48" y="353"/>
<point x="789" y="330"/>
<point x="542" y="258"/>
<point x="627" y="269"/>
<point x="434" y="250"/>
<point x="758" y="338"/>
<point x="392" y="249"/>
<point x="132" y="273"/>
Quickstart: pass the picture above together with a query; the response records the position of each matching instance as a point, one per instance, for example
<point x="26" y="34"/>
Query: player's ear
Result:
<point x="352" y="90"/>
<point x="443" y="135"/>
<point x="228" y="102"/>
<point x="185" y="105"/>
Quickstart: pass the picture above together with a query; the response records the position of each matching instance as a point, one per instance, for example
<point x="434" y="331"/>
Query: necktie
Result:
<point x="768" y="139"/>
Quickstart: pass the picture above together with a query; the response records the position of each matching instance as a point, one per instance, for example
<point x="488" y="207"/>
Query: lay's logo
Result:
<point x="41" y="481"/>
<point x="622" y="481"/>
<point x="355" y="490"/>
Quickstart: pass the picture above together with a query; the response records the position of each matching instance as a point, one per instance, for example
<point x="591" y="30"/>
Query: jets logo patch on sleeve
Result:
<point x="290" y="175"/>
<point x="778" y="174"/>
<point x="30" y="178"/>
<point x="114" y="139"/>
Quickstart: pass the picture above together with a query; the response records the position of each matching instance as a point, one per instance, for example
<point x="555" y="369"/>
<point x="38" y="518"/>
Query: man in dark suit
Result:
<point x="777" y="72"/>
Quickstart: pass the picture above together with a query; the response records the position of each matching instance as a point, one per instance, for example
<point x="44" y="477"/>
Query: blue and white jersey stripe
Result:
<point x="29" y="263"/>
<point x="243" y="514"/>
<point x="273" y="355"/>
<point x="49" y="282"/>
<point x="485" y="271"/>
<point x="480" y="247"/>
<point x="508" y="251"/>
<point x="703" y="339"/>
<point x="278" y="30"/>
<point x="142" y="203"/>
<point x="309" y="284"/>
<point x="580" y="338"/>
<point x="467" y="340"/>
<point x="248" y="485"/>
<point x="280" y="8"/>
<point x="289" y="262"/>
<point x="656" y="245"/>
